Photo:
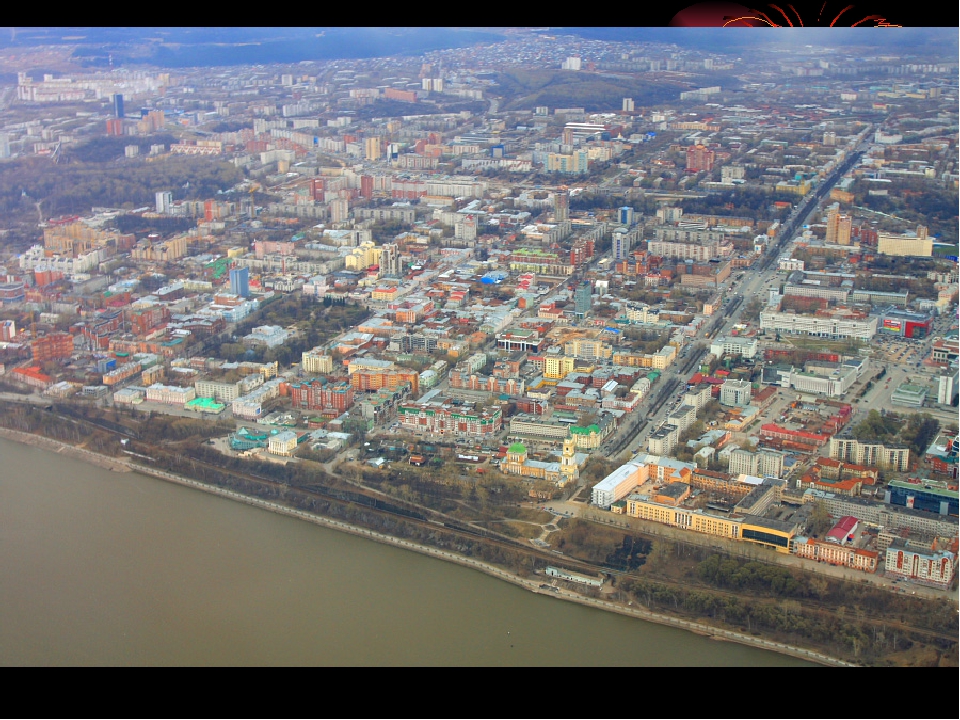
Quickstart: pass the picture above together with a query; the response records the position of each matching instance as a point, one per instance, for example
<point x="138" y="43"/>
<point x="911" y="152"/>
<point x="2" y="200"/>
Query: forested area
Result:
<point x="918" y="201"/>
<point x="523" y="89"/>
<point x="917" y="432"/>
<point x="74" y="186"/>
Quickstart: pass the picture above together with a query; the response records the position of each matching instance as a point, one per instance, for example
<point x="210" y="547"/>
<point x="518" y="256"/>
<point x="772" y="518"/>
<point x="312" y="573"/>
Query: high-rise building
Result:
<point x="622" y="242"/>
<point x="389" y="259"/>
<point x="8" y="330"/>
<point x="838" y="226"/>
<point x="625" y="215"/>
<point x="4" y="146"/>
<point x="571" y="63"/>
<point x="339" y="210"/>
<point x="118" y="105"/>
<point x="700" y="158"/>
<point x="240" y="281"/>
<point x="371" y="148"/>
<point x="561" y="210"/>
<point x="582" y="298"/>
<point x="164" y="201"/>
<point x="628" y="105"/>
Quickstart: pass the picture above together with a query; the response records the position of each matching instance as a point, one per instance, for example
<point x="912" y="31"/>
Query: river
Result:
<point x="105" y="568"/>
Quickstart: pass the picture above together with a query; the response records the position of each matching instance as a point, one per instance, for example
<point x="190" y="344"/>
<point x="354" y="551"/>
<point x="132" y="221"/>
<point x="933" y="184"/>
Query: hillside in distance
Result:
<point x="211" y="47"/>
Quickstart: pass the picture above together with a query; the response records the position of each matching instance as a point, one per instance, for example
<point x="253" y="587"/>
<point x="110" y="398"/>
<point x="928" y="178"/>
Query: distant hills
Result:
<point x="222" y="46"/>
<point x="935" y="40"/>
<point x="210" y="47"/>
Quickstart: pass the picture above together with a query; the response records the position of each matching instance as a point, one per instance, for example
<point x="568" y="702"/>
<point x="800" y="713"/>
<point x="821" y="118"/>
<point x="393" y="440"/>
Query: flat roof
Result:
<point x="769" y="523"/>
<point x="931" y="489"/>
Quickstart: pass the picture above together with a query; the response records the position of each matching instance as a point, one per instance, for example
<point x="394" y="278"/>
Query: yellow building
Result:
<point x="567" y="470"/>
<point x="589" y="349"/>
<point x="363" y="256"/>
<point x="557" y="367"/>
<point x="769" y="533"/>
<point x="838" y="226"/>
<point x="664" y="357"/>
<point x="645" y="508"/>
<point x="172" y="249"/>
<point x="801" y="187"/>
<point x="587" y="438"/>
<point x="384" y="293"/>
<point x="76" y="238"/>
<point x="316" y="361"/>
<point x="371" y="148"/>
<point x="630" y="360"/>
<point x="916" y="244"/>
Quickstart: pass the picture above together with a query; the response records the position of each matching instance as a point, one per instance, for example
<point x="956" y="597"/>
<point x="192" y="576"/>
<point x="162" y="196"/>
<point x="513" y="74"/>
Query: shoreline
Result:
<point x="531" y="585"/>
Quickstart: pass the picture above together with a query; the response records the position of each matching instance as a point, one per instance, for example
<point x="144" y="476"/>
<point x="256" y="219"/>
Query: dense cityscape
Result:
<point x="582" y="302"/>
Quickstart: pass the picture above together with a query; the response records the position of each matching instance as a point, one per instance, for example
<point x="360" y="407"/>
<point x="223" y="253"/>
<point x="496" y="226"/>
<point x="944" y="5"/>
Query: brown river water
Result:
<point x="105" y="568"/>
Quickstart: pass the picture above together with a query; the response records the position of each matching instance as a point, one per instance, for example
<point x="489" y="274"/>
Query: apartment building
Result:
<point x="766" y="463"/>
<point x="446" y="420"/>
<point x="874" y="454"/>
<point x="833" y="328"/>
<point x="928" y="567"/>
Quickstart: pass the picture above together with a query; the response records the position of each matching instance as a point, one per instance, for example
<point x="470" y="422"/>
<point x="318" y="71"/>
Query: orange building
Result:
<point x="834" y="554"/>
<point x="55" y="346"/>
<point x="33" y="377"/>
<point x="374" y="380"/>
<point x="404" y="95"/>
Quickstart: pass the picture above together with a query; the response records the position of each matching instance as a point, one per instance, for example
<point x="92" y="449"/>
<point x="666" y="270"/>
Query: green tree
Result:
<point x="751" y="310"/>
<point x="820" y="520"/>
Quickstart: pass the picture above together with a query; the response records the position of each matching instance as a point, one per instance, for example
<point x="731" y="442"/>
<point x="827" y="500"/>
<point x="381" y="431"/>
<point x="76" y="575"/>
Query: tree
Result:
<point x="820" y="520"/>
<point x="751" y="310"/>
<point x="919" y="432"/>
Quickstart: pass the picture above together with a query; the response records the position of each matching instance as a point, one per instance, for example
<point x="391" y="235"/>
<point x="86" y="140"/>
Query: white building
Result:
<point x="746" y="347"/>
<point x="697" y="396"/>
<point x="735" y="393"/>
<point x="619" y="484"/>
<point x="250" y="406"/>
<point x="683" y="417"/>
<point x="269" y="335"/>
<point x="283" y="443"/>
<point x="164" y="201"/>
<point x="790" y="265"/>
<point x="947" y="388"/>
<point x="170" y="394"/>
<point x="789" y="323"/>
<point x="766" y="463"/>
<point x="663" y="440"/>
<point x="832" y="383"/>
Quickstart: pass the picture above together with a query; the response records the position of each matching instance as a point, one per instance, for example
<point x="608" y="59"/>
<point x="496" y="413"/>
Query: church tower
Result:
<point x="568" y="463"/>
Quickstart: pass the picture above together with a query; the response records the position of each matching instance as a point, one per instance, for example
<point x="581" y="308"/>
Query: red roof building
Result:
<point x="843" y="530"/>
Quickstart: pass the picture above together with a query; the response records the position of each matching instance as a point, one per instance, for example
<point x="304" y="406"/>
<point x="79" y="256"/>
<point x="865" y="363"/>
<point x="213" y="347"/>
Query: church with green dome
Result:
<point x="567" y="470"/>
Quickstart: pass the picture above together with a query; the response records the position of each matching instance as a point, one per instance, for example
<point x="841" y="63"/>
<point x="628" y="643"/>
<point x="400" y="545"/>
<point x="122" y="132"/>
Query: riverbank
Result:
<point x="531" y="584"/>
<point x="62" y="448"/>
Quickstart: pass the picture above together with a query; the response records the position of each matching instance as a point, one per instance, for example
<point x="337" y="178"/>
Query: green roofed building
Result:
<point x="244" y="439"/>
<point x="205" y="405"/>
<point x="590" y="436"/>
